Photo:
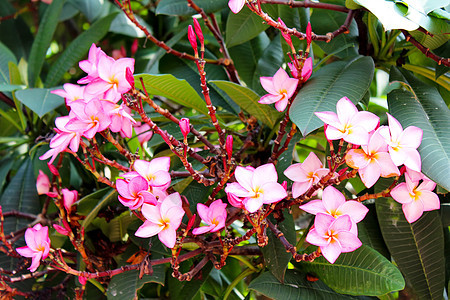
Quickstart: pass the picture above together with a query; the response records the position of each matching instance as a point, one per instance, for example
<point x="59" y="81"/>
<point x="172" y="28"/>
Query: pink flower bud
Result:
<point x="42" y="183"/>
<point x="229" y="145"/>
<point x="134" y="47"/>
<point x="69" y="198"/>
<point x="284" y="185"/>
<point x="286" y="36"/>
<point x="198" y="31"/>
<point x="308" y="34"/>
<point x="60" y="229"/>
<point x="129" y="76"/>
<point x="185" y="127"/>
<point x="53" y="169"/>
<point x="190" y="223"/>
<point x="52" y="194"/>
<point x="82" y="280"/>
<point x="192" y="39"/>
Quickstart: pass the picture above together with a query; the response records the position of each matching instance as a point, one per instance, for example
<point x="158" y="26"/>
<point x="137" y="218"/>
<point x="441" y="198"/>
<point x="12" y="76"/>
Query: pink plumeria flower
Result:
<point x="38" y="245"/>
<point x="280" y="87"/>
<point x="215" y="216"/>
<point x="134" y="193"/>
<point x="90" y="66"/>
<point x="415" y="197"/>
<point x="372" y="161"/>
<point x="306" y="70"/>
<point x="42" y="183"/>
<point x="333" y="236"/>
<point x="71" y="93"/>
<point x="143" y="132"/>
<point x="112" y="81"/>
<point x="162" y="220"/>
<point x="236" y="5"/>
<point x="121" y="120"/>
<point x="403" y="144"/>
<point x="69" y="198"/>
<point x="349" y="124"/>
<point x="333" y="203"/>
<point x="155" y="171"/>
<point x="64" y="138"/>
<point x="88" y="118"/>
<point x="255" y="187"/>
<point x="305" y="174"/>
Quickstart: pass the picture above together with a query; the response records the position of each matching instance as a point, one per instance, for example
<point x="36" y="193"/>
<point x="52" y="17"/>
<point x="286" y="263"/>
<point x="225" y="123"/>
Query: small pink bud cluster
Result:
<point x="94" y="107"/>
<point x="192" y="37"/>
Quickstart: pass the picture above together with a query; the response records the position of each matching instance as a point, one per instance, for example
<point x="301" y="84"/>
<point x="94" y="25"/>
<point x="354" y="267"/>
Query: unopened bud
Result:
<point x="284" y="185"/>
<point x="190" y="223"/>
<point x="229" y="145"/>
<point x="42" y="183"/>
<point x="82" y="280"/>
<point x="198" y="31"/>
<point x="308" y="34"/>
<point x="185" y="127"/>
<point x="129" y="77"/>
<point x="286" y="36"/>
<point x="53" y="169"/>
<point x="134" y="47"/>
<point x="192" y="39"/>
<point x="60" y="229"/>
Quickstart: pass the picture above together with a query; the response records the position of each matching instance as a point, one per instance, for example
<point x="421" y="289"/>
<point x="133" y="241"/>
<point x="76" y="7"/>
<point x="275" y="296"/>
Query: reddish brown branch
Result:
<point x="425" y="50"/>
<point x="308" y="4"/>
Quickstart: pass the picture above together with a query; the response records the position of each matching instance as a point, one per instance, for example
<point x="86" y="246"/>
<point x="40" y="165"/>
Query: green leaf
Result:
<point x="248" y="101"/>
<point x="187" y="290"/>
<point x="246" y="64"/>
<point x="430" y="5"/>
<point x="428" y="41"/>
<point x="111" y="195"/>
<point x="369" y="232"/>
<point x="181" y="8"/>
<point x="43" y="39"/>
<point x="92" y="9"/>
<point x="366" y="271"/>
<point x="11" y="87"/>
<point x="323" y="90"/>
<point x="295" y="287"/>
<point x="77" y="49"/>
<point x="125" y="286"/>
<point x="122" y="25"/>
<point x="417" y="248"/>
<point x="6" y="56"/>
<point x="275" y="256"/>
<point x="19" y="195"/>
<point x="243" y="27"/>
<point x="172" y="88"/>
<point x="41" y="101"/>
<point x="15" y="32"/>
<point x="389" y="14"/>
<point x="423" y="106"/>
<point x="324" y="21"/>
<point x="5" y="167"/>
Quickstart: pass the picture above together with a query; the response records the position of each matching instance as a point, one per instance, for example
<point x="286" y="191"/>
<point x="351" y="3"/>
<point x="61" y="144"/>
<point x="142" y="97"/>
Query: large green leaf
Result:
<point x="181" y="8"/>
<point x="42" y="41"/>
<point x="125" y="286"/>
<point x="323" y="90"/>
<point x="295" y="287"/>
<point x="366" y="271"/>
<point x="248" y="101"/>
<point x="275" y="256"/>
<point x="243" y="27"/>
<point x="172" y="88"/>
<point x="19" y="195"/>
<point x="417" y="248"/>
<point x="41" y="101"/>
<point x="77" y="49"/>
<point x="6" y="56"/>
<point x="324" y="21"/>
<point x="15" y="32"/>
<point x="423" y="106"/>
<point x="246" y="64"/>
<point x="370" y="234"/>
<point x="109" y="196"/>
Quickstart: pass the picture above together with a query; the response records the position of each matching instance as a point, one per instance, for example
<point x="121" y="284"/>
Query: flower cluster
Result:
<point x="95" y="106"/>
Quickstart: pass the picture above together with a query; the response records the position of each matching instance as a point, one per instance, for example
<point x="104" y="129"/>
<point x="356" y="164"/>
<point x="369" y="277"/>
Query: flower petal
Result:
<point x="357" y="211"/>
<point x="401" y="194"/>
<point x="314" y="207"/>
<point x="413" y="210"/>
<point x="168" y="237"/>
<point x="315" y="239"/>
<point x="332" y="251"/>
<point x="429" y="200"/>
<point x="348" y="241"/>
<point x="148" y="229"/>
<point x="332" y="199"/>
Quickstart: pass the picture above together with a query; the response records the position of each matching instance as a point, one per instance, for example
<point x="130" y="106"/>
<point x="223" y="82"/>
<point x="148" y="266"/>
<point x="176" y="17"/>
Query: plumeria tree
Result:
<point x="193" y="149"/>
